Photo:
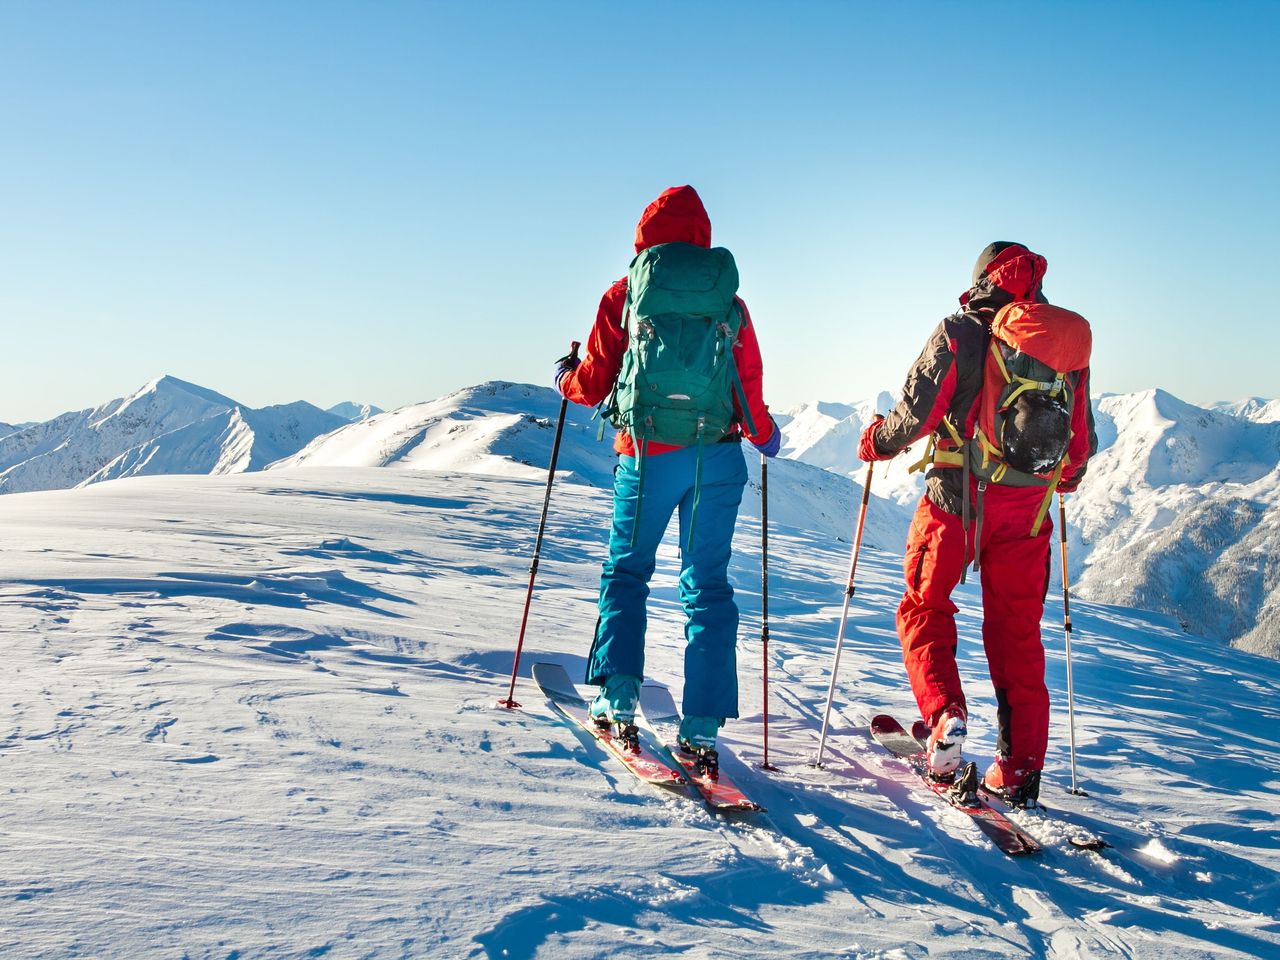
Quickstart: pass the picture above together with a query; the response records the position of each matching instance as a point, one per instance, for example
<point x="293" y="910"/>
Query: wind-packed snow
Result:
<point x="168" y="426"/>
<point x="253" y="716"/>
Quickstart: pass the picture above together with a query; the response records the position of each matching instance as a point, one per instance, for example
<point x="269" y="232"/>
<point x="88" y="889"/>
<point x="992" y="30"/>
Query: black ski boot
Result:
<point x="1025" y="796"/>
<point x="705" y="759"/>
<point x="626" y="733"/>
<point x="964" y="788"/>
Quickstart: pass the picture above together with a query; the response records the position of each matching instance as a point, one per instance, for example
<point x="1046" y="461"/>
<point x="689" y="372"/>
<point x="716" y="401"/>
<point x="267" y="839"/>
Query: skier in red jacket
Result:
<point x="706" y="482"/>
<point x="942" y="395"/>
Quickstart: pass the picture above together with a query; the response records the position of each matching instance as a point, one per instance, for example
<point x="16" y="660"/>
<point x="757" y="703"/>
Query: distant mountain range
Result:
<point x="354" y="411"/>
<point x="168" y="426"/>
<point x="1180" y="512"/>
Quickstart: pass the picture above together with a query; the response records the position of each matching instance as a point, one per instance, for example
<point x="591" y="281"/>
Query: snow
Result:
<point x="826" y="435"/>
<point x="1257" y="409"/>
<point x="509" y="429"/>
<point x="350" y="410"/>
<point x="168" y="426"/>
<point x="254" y="715"/>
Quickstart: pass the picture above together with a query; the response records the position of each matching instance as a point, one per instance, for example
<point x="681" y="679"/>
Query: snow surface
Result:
<point x="253" y="716"/>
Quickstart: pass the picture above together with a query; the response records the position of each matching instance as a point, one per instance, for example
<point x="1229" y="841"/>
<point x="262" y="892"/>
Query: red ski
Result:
<point x="1080" y="839"/>
<point x="962" y="794"/>
<point x="716" y="788"/>
<point x="646" y="764"/>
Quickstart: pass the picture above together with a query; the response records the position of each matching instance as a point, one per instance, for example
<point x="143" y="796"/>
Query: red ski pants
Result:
<point x="1015" y="577"/>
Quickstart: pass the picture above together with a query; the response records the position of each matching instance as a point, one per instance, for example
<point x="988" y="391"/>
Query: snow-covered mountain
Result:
<point x="350" y="410"/>
<point x="168" y="426"/>
<point x="1257" y="409"/>
<point x="508" y="429"/>
<point x="1179" y="514"/>
<point x="233" y="441"/>
<point x="826" y="435"/>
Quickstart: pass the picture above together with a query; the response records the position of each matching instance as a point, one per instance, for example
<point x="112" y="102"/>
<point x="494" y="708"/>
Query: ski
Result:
<point x="719" y="792"/>
<point x="963" y="794"/>
<point x="1081" y="840"/>
<point x="647" y="765"/>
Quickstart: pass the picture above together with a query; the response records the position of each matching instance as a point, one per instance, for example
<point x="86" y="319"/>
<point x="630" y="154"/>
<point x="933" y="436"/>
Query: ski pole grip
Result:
<point x="573" y="348"/>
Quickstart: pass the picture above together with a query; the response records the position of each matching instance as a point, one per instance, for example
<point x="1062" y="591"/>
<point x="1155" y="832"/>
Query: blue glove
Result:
<point x="771" y="446"/>
<point x="565" y="365"/>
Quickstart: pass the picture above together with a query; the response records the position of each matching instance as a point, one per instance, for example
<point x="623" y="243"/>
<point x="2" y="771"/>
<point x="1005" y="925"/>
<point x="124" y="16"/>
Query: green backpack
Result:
<point x="678" y="378"/>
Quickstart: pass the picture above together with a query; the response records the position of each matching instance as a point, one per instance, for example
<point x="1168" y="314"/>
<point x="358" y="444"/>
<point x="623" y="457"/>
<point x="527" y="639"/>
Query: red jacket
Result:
<point x="676" y="216"/>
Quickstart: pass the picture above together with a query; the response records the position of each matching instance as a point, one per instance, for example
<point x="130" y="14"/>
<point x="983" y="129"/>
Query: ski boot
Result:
<point x="614" y="708"/>
<point x="945" y="743"/>
<point x="1017" y="788"/>
<point x="697" y="739"/>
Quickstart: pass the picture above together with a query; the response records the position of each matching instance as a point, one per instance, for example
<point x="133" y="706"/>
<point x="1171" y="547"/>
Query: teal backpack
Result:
<point x="678" y="379"/>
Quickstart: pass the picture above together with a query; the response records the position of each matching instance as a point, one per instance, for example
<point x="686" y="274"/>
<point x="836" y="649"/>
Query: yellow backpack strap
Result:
<point x="955" y="434"/>
<point x="1025" y="384"/>
<point x="927" y="459"/>
<point x="989" y="450"/>
<point x="995" y="352"/>
<point x="1048" y="497"/>
<point x="932" y="455"/>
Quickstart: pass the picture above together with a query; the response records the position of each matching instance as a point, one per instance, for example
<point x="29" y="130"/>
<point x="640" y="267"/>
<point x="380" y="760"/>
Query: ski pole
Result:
<point x="764" y="599"/>
<point x="1066" y="629"/>
<point x="844" y="615"/>
<point x="510" y="702"/>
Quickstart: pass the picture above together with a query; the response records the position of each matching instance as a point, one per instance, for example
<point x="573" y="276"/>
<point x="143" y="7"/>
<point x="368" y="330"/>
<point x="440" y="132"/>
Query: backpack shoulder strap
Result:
<point x="738" y="390"/>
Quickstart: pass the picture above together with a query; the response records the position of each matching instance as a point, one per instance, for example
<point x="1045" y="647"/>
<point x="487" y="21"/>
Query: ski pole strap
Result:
<point x="697" y="490"/>
<point x="964" y="509"/>
<point x="598" y="416"/>
<point x="977" y="536"/>
<point x="641" y="450"/>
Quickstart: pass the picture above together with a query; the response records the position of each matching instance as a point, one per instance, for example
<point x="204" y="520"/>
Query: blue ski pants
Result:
<point x="711" y="624"/>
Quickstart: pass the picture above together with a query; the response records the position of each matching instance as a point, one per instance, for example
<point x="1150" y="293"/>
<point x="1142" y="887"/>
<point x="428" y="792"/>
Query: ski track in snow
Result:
<point x="254" y="716"/>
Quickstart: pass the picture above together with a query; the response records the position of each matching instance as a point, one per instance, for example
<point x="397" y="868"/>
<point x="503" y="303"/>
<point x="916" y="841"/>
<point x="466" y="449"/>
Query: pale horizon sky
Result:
<point x="384" y="203"/>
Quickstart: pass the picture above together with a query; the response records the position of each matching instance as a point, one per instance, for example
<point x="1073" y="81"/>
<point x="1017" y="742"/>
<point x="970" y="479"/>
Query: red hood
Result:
<point x="1018" y="272"/>
<point x="677" y="216"/>
<point x="1015" y="270"/>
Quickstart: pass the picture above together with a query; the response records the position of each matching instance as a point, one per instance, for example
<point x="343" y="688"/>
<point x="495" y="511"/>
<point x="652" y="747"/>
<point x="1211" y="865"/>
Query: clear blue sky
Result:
<point x="384" y="202"/>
